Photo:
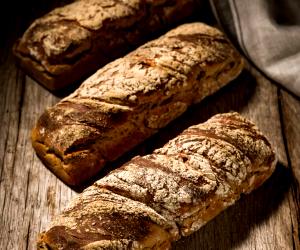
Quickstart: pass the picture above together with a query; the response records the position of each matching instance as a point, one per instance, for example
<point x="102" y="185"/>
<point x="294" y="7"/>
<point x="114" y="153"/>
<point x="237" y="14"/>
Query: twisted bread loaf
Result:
<point x="131" y="98"/>
<point x="73" y="41"/>
<point x="155" y="199"/>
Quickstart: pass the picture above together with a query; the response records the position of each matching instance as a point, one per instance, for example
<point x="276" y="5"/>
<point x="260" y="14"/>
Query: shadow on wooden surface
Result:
<point x="230" y="98"/>
<point x="232" y="228"/>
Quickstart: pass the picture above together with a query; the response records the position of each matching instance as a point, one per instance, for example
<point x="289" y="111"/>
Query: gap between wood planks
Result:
<point x="290" y="112"/>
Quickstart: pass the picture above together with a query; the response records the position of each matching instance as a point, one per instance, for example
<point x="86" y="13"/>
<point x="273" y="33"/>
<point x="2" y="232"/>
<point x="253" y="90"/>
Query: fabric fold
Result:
<point x="268" y="32"/>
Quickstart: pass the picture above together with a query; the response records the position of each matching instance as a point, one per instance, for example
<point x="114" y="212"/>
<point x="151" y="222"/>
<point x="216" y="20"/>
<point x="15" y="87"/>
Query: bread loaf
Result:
<point x="129" y="99"/>
<point x="155" y="199"/>
<point x="72" y="42"/>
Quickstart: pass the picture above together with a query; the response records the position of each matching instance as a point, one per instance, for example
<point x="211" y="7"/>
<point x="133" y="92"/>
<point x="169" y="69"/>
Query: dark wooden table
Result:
<point x="30" y="195"/>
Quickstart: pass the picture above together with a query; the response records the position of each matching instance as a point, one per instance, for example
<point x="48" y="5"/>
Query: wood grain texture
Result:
<point x="30" y="194"/>
<point x="290" y="115"/>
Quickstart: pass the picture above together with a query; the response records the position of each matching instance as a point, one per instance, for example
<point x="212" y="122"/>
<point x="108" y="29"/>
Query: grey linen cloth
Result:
<point x="268" y="32"/>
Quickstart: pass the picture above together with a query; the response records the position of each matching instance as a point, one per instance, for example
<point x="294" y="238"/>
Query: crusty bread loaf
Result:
<point x="72" y="42"/>
<point x="131" y="98"/>
<point x="155" y="199"/>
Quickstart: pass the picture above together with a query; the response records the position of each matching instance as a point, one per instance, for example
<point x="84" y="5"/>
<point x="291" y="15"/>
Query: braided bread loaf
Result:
<point x="155" y="199"/>
<point x="131" y="98"/>
<point x="72" y="42"/>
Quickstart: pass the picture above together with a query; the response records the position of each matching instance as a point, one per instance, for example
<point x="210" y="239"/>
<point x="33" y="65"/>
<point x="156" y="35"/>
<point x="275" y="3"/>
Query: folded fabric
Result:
<point x="268" y="32"/>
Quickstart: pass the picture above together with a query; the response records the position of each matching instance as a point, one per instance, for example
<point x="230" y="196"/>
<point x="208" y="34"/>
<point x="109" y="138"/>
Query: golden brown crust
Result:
<point x="129" y="99"/>
<point x="73" y="41"/>
<point x="180" y="187"/>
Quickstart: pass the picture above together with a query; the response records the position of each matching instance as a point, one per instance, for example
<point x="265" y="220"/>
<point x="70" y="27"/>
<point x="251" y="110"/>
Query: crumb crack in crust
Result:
<point x="155" y="199"/>
<point x="129" y="99"/>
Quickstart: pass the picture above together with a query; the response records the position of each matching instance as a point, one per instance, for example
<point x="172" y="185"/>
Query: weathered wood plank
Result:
<point x="10" y="103"/>
<point x="291" y="123"/>
<point x="46" y="195"/>
<point x="29" y="193"/>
